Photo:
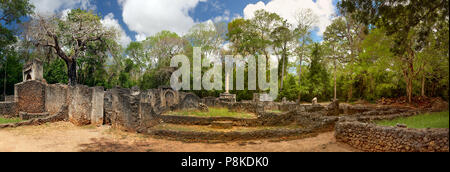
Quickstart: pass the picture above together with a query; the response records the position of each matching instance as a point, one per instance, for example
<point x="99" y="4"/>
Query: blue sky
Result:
<point x="138" y="19"/>
<point x="202" y="12"/>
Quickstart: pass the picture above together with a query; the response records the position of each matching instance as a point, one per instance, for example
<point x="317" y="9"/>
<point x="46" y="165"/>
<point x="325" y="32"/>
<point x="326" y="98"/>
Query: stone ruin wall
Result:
<point x="8" y="109"/>
<point x="373" y="138"/>
<point x="132" y="110"/>
<point x="30" y="96"/>
<point x="138" y="110"/>
<point x="55" y="97"/>
<point x="86" y="105"/>
<point x="360" y="132"/>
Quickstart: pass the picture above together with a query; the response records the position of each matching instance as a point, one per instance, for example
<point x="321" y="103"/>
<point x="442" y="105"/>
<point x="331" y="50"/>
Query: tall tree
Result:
<point x="70" y="37"/>
<point x="263" y="24"/>
<point x="161" y="47"/>
<point x="11" y="12"/>
<point x="306" y="20"/>
<point x="318" y="75"/>
<point x="408" y="21"/>
<point x="282" y="38"/>
<point x="137" y="53"/>
<point x="335" y="39"/>
<point x="209" y="36"/>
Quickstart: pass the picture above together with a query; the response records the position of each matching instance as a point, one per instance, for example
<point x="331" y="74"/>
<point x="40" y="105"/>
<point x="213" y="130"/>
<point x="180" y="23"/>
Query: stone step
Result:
<point x="222" y="124"/>
<point x="28" y="116"/>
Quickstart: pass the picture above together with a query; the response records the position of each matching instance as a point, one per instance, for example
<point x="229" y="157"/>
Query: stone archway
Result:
<point x="170" y="98"/>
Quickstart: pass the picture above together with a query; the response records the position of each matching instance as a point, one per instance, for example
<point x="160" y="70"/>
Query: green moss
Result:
<point x="429" y="120"/>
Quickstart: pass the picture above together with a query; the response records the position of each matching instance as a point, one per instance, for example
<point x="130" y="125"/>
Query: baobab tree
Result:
<point x="69" y="36"/>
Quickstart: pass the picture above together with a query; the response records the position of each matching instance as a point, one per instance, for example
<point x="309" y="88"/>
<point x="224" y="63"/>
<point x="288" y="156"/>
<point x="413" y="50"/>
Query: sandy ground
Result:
<point x="65" y="137"/>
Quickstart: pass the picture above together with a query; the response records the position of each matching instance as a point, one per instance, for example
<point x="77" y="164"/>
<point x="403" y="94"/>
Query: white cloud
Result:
<point x="47" y="7"/>
<point x="140" y="37"/>
<point x="147" y="17"/>
<point x="223" y="18"/>
<point x="110" y="22"/>
<point x="323" y="9"/>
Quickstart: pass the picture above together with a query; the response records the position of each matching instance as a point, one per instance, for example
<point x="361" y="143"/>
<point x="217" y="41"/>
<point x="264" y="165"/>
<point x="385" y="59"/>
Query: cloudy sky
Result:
<point x="138" y="19"/>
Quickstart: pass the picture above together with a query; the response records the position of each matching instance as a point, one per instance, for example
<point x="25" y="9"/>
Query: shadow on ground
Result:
<point x="108" y="145"/>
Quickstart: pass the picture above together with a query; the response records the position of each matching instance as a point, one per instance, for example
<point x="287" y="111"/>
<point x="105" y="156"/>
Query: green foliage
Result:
<point x="318" y="76"/>
<point x="13" y="71"/>
<point x="291" y="90"/>
<point x="125" y="80"/>
<point x="55" y="72"/>
<point x="11" y="12"/>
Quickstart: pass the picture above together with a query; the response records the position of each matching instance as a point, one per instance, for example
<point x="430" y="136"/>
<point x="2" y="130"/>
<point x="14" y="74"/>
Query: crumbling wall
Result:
<point x="149" y="112"/>
<point x="373" y="138"/>
<point x="8" y="109"/>
<point x="137" y="112"/>
<point x="124" y="110"/>
<point x="55" y="97"/>
<point x="30" y="97"/>
<point x="62" y="115"/>
<point x="86" y="105"/>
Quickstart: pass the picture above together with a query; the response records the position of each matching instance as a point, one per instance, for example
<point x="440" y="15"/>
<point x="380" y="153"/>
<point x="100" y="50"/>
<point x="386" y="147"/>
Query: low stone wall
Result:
<point x="373" y="138"/>
<point x="28" y="116"/>
<point x="8" y="109"/>
<point x="62" y="115"/>
<point x="193" y="136"/>
<point x="9" y="98"/>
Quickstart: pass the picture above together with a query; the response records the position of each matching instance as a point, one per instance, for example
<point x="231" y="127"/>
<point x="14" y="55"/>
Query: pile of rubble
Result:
<point x="435" y="104"/>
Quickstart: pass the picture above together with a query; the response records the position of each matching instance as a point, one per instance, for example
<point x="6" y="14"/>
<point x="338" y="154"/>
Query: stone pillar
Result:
<point x="227" y="83"/>
<point x="98" y="97"/>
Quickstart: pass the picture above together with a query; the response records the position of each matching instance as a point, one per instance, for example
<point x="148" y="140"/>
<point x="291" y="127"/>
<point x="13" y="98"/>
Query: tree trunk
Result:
<point x="72" y="72"/>
<point x="409" y="90"/>
<point x="282" y="73"/>
<point x="423" y="86"/>
<point x="350" y="93"/>
<point x="335" y="83"/>
<point x="300" y="78"/>
<point x="4" y="81"/>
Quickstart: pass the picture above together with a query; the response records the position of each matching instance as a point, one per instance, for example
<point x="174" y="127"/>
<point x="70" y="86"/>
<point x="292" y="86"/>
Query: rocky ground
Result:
<point x="65" y="137"/>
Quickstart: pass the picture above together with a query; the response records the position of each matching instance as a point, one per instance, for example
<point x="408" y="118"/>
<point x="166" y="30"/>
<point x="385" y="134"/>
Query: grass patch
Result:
<point x="275" y="111"/>
<point x="9" y="120"/>
<point x="429" y="120"/>
<point x="213" y="112"/>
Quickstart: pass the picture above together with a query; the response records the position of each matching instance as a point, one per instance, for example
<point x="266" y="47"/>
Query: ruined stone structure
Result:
<point x="139" y="111"/>
<point x="33" y="70"/>
<point x="373" y="138"/>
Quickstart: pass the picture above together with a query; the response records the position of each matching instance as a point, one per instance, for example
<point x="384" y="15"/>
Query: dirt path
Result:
<point x="65" y="137"/>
